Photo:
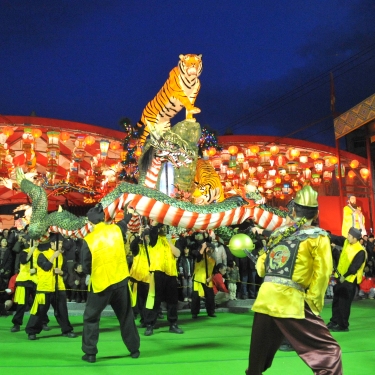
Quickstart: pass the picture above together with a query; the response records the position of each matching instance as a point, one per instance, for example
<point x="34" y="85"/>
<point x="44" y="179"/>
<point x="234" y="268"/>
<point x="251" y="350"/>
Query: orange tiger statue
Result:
<point x="180" y="90"/>
<point x="208" y="187"/>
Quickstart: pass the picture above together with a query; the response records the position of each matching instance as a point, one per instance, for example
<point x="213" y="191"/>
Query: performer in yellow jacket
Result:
<point x="140" y="271"/>
<point x="349" y="274"/>
<point x="26" y="286"/>
<point x="202" y="278"/>
<point x="296" y="269"/>
<point x="50" y="289"/>
<point x="104" y="259"/>
<point x="352" y="217"/>
<point x="163" y="279"/>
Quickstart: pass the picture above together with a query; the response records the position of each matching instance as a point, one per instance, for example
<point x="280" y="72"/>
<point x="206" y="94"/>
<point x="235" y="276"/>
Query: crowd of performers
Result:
<point x="135" y="272"/>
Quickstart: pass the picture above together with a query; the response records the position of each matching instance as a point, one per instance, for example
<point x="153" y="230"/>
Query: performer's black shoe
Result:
<point x="331" y="325"/>
<point x="174" y="328"/>
<point x="339" y="329"/>
<point x="32" y="336"/>
<point x="286" y="348"/>
<point x="149" y="330"/>
<point x="15" y="328"/>
<point x="212" y="315"/>
<point x="135" y="354"/>
<point x="194" y="316"/>
<point x="46" y="328"/>
<point x="71" y="335"/>
<point x="91" y="358"/>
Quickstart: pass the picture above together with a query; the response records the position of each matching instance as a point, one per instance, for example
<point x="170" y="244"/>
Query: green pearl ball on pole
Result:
<point x="240" y="242"/>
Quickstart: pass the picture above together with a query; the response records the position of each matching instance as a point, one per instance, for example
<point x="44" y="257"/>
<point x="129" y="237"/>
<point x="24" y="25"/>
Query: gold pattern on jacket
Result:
<point x="312" y="270"/>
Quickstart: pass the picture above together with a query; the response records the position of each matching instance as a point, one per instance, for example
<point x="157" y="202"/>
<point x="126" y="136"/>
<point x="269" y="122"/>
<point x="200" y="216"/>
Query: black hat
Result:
<point x="210" y="245"/>
<point x="68" y="244"/>
<point x="96" y="214"/>
<point x="55" y="237"/>
<point x="356" y="233"/>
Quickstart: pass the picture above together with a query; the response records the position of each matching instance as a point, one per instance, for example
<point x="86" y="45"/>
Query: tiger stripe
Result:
<point x="208" y="187"/>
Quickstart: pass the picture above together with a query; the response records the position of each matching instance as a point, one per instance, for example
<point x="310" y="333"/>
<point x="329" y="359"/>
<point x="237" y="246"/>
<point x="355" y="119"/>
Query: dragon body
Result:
<point x="150" y="203"/>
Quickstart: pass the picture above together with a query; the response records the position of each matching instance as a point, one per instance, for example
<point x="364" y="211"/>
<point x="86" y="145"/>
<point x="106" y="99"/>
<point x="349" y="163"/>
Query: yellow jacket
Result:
<point x="312" y="270"/>
<point x="170" y="261"/>
<point x="107" y="249"/>
<point x="24" y="274"/>
<point x="47" y="279"/>
<point x="347" y="255"/>
<point x="140" y="270"/>
<point x="162" y="258"/>
<point x="200" y="275"/>
<point x="352" y="218"/>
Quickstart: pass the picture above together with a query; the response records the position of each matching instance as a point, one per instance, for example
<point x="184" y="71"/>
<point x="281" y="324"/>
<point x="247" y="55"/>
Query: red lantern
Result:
<point x="351" y="174"/>
<point x="333" y="159"/>
<point x="294" y="152"/>
<point x="115" y="145"/>
<point x="8" y="131"/>
<point x="280" y="160"/>
<point x="354" y="164"/>
<point x="274" y="149"/>
<point x="211" y="151"/>
<point x="64" y="136"/>
<point x="233" y="150"/>
<point x="364" y="173"/>
<point x="89" y="140"/>
<point x="314" y="155"/>
<point x="36" y="133"/>
<point x="254" y="149"/>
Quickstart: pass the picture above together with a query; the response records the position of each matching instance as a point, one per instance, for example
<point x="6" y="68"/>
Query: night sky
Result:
<point x="266" y="64"/>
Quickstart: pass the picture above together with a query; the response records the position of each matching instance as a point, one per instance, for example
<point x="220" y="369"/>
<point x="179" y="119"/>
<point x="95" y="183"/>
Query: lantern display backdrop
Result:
<point x="96" y="162"/>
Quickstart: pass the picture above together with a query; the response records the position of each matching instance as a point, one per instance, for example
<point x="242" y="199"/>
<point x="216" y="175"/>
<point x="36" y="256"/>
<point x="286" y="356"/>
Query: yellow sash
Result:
<point x="133" y="293"/>
<point x="19" y="295"/>
<point x="40" y="299"/>
<point x="198" y="288"/>
<point x="151" y="293"/>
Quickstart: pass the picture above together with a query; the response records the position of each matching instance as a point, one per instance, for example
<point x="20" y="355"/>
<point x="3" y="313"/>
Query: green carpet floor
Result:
<point x="208" y="346"/>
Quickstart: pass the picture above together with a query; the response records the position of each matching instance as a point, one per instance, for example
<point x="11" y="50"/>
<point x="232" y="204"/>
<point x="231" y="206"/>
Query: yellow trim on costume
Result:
<point x="133" y="290"/>
<point x="198" y="288"/>
<point x="19" y="295"/>
<point x="151" y="293"/>
<point x="40" y="299"/>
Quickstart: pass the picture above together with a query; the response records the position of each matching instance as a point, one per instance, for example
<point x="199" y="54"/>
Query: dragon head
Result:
<point x="21" y="175"/>
<point x="171" y="147"/>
